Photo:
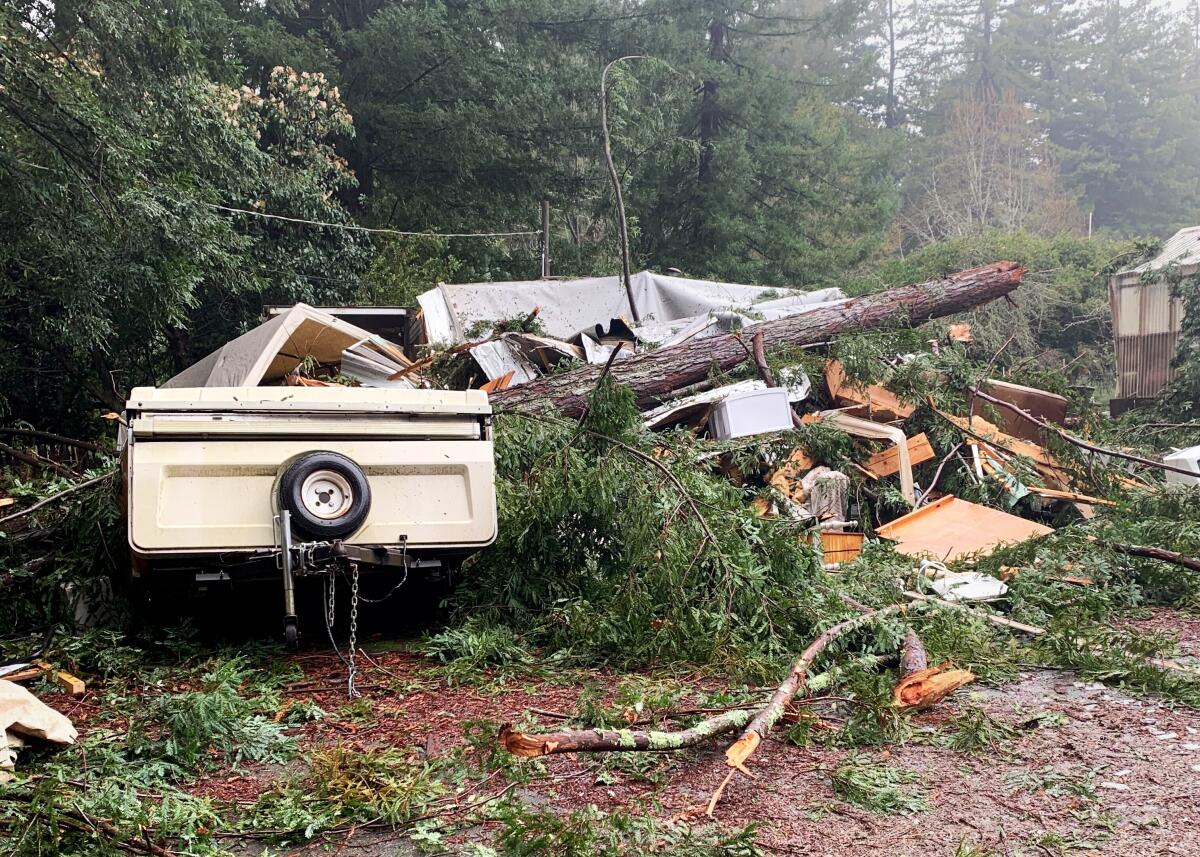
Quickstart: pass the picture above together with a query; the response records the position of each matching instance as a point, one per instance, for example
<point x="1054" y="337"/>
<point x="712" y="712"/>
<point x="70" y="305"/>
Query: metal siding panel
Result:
<point x="1146" y="327"/>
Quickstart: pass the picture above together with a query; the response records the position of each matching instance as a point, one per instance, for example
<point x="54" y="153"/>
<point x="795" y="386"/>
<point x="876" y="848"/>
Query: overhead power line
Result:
<point x="354" y="228"/>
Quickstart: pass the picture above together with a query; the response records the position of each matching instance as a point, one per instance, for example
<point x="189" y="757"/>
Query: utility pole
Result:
<point x="623" y="231"/>
<point x="545" y="239"/>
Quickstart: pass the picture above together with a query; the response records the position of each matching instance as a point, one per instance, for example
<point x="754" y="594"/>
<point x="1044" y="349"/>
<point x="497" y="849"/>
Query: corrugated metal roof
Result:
<point x="1181" y="250"/>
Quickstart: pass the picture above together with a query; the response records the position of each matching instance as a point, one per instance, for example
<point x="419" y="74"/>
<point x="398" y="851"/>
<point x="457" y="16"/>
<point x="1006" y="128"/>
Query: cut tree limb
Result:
<point x="922" y="686"/>
<point x="658" y="373"/>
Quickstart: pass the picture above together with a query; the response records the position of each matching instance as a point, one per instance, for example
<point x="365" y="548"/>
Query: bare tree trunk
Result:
<point x="622" y="227"/>
<point x="656" y="375"/>
<point x="889" y="116"/>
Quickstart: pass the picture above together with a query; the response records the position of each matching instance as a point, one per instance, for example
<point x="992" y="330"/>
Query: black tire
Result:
<point x="340" y="522"/>
<point x="291" y="634"/>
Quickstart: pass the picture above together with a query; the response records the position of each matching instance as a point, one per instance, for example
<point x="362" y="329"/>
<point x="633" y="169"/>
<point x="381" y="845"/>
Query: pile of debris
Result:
<point x="303" y="346"/>
<point x="1012" y="442"/>
<point x="533" y="326"/>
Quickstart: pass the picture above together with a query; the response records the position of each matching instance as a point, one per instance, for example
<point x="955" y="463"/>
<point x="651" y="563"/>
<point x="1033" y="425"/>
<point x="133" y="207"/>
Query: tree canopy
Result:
<point x="151" y="149"/>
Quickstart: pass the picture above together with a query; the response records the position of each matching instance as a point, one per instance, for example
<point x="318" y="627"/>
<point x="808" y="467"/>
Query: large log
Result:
<point x="654" y="376"/>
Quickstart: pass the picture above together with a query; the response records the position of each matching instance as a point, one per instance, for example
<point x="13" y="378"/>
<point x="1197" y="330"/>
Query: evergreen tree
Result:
<point x="1127" y="126"/>
<point x="117" y="148"/>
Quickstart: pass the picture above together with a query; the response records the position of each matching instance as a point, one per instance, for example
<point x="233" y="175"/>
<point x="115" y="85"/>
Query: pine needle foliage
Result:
<point x="613" y="546"/>
<point x="870" y="784"/>
<point x="589" y="832"/>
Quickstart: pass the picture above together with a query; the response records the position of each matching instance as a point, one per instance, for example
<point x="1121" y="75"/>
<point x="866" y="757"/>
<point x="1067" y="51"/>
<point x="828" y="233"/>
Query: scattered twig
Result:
<point x="937" y="474"/>
<point x="983" y="376"/>
<point x="98" y="826"/>
<point x="34" y="460"/>
<point x="603" y="374"/>
<point x="55" y="438"/>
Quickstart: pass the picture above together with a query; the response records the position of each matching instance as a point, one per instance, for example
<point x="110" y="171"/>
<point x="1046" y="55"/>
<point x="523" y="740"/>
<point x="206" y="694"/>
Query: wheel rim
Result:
<point x="326" y="494"/>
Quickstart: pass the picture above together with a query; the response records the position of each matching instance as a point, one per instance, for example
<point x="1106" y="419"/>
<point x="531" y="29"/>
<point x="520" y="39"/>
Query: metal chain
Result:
<point x="350" y="690"/>
<point x="403" y="576"/>
<point x="330" y="614"/>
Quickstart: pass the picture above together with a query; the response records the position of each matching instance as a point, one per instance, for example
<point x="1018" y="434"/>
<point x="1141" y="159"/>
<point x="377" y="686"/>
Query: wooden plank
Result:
<point x="871" y="401"/>
<point x="71" y="684"/>
<point x="839" y="547"/>
<point x="1069" y="495"/>
<point x="500" y="383"/>
<point x="786" y="478"/>
<point x="1049" y="407"/>
<point x="887" y="462"/>
<point x="1050" y="469"/>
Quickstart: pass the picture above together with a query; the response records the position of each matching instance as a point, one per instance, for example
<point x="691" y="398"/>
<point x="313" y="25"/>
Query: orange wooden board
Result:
<point x="950" y="528"/>
<point x="875" y="402"/>
<point x="887" y="462"/>
<point x="841" y="547"/>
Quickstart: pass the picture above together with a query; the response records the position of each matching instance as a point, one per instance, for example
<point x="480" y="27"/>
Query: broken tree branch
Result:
<point x="56" y="497"/>
<point x="1160" y="554"/>
<point x="1035" y="631"/>
<point x="1082" y="444"/>
<point x="744" y="746"/>
<point x="759" y="354"/>
<point x="655" y="374"/>
<point x="36" y="460"/>
<point x="601" y="740"/>
<point x="51" y="437"/>
<point x="1010" y="624"/>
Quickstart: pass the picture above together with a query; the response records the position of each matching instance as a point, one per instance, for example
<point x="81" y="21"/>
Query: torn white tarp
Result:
<point x="568" y="306"/>
<point x="961" y="585"/>
<point x="278" y="346"/>
<point x="794" y="381"/>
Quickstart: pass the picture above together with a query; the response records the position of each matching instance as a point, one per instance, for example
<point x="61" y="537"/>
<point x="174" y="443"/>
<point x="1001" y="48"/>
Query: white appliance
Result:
<point x="752" y="412"/>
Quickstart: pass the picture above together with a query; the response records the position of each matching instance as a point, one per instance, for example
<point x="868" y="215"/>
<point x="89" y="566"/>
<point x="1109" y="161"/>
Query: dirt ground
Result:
<point x="1098" y="772"/>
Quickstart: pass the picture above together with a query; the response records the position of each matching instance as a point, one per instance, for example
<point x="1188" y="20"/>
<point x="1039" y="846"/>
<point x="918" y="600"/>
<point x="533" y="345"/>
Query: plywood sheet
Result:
<point x="950" y="528"/>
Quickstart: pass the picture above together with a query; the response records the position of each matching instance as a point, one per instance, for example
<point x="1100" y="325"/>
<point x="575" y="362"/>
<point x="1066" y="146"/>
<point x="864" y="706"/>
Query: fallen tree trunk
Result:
<point x="656" y="375"/>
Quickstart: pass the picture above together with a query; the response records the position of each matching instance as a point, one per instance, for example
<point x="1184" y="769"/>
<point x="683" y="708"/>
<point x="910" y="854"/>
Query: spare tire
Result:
<point x="327" y="495"/>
